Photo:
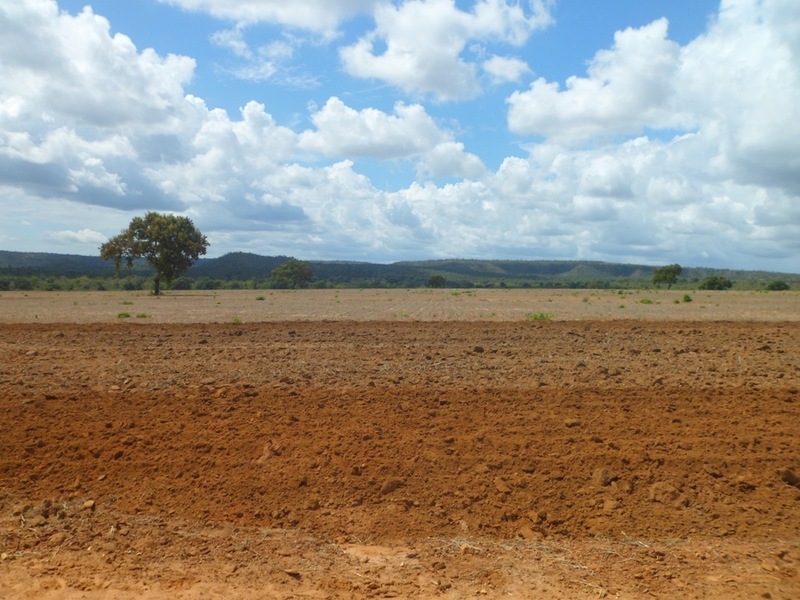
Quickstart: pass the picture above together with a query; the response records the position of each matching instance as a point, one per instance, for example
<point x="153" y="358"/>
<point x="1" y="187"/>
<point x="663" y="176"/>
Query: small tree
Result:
<point x="668" y="275"/>
<point x="715" y="282"/>
<point x="170" y="244"/>
<point x="293" y="272"/>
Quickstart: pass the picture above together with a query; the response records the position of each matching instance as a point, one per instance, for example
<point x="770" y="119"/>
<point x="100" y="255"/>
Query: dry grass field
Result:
<point x="353" y="444"/>
<point x="252" y="306"/>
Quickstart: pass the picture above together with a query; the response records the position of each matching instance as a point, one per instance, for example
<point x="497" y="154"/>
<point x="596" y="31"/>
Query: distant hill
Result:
<point x="256" y="269"/>
<point x="45" y="264"/>
<point x="571" y="273"/>
<point x="236" y="265"/>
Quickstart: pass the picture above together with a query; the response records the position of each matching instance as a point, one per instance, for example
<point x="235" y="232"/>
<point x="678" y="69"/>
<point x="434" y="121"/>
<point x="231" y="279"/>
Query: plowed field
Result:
<point x="410" y="446"/>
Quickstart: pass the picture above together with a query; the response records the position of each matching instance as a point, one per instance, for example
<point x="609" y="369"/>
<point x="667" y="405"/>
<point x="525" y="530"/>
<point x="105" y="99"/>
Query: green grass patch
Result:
<point x="539" y="316"/>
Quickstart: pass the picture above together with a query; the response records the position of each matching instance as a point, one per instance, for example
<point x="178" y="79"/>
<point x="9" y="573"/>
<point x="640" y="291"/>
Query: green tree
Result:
<point x="715" y="282"/>
<point x="293" y="273"/>
<point x="436" y="281"/>
<point x="668" y="275"/>
<point x="170" y="244"/>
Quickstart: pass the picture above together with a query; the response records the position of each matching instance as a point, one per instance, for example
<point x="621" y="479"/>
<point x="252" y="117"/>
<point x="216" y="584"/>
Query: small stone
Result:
<point x="89" y="505"/>
<point x="36" y="521"/>
<point x="788" y="476"/>
<point x="293" y="574"/>
<point x="663" y="493"/>
<point x="528" y="534"/>
<point x="390" y="485"/>
<point x="602" y="477"/>
<point x="572" y="423"/>
<point x="502" y="486"/>
<point x="57" y="538"/>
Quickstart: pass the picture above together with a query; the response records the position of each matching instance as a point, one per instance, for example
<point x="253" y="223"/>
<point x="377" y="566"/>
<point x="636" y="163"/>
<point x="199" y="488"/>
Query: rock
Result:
<point x="572" y="423"/>
<point x="529" y="534"/>
<point x="610" y="505"/>
<point x="390" y="485"/>
<point x="788" y="476"/>
<point x="502" y="486"/>
<point x="745" y="484"/>
<point x="89" y="505"/>
<point x="36" y="521"/>
<point x="663" y="493"/>
<point x="57" y="538"/>
<point x="602" y="477"/>
<point x="293" y="574"/>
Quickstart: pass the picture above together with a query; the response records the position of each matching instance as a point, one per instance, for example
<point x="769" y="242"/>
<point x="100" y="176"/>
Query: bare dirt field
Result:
<point x="400" y="444"/>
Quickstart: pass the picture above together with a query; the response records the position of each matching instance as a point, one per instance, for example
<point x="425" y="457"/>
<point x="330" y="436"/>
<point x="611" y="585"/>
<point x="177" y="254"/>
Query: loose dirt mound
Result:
<point x="390" y="459"/>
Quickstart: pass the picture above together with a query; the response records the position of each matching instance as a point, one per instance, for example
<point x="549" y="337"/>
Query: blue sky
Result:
<point x="649" y="132"/>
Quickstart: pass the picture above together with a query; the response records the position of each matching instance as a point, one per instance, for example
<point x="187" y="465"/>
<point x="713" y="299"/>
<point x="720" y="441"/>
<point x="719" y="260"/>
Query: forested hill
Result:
<point x="255" y="270"/>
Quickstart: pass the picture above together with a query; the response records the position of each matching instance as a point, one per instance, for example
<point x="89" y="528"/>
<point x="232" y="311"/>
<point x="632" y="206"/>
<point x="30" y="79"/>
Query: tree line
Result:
<point x="163" y="252"/>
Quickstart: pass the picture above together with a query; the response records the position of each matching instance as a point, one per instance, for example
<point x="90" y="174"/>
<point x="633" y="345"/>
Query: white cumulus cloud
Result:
<point x="628" y="88"/>
<point x="317" y="15"/>
<point x="343" y="131"/>
<point x="84" y="236"/>
<point x="505" y="69"/>
<point x="419" y="45"/>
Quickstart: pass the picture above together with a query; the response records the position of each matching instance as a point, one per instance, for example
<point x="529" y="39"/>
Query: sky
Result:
<point x="647" y="132"/>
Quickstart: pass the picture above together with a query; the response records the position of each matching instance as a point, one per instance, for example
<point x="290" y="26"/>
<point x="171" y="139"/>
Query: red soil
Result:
<point x="396" y="459"/>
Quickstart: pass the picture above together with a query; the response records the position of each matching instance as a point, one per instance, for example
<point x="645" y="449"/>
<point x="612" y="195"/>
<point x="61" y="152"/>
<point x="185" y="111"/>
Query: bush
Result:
<point x="540" y="316"/>
<point x="777" y="286"/>
<point x="715" y="282"/>
<point x="181" y="283"/>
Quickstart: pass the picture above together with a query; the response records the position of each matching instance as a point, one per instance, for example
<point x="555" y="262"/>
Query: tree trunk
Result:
<point x="157" y="290"/>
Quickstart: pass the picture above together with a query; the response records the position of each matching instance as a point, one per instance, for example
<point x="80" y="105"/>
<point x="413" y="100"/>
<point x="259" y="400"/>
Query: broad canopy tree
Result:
<point x="294" y="273"/>
<point x="170" y="244"/>
<point x="668" y="275"/>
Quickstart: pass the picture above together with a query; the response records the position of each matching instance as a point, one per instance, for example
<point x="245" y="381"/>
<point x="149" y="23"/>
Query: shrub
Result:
<point x="715" y="282"/>
<point x="777" y="286"/>
<point x="181" y="283"/>
<point x="540" y="316"/>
